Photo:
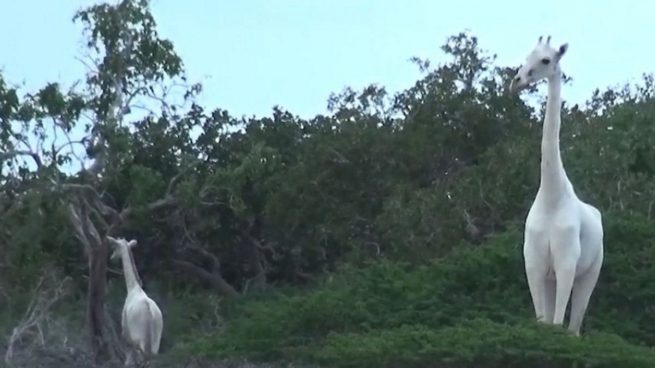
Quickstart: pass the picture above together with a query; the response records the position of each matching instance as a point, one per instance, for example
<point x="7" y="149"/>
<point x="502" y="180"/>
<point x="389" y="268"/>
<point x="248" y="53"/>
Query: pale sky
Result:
<point x="254" y="54"/>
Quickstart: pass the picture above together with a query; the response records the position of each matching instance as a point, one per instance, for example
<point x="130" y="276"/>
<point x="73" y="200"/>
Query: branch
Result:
<point x="41" y="303"/>
<point x="90" y="205"/>
<point x="304" y="276"/>
<point x="215" y="280"/>
<point x="85" y="231"/>
<point x="87" y="228"/>
<point x="160" y="203"/>
<point x="131" y="97"/>
<point x="68" y="144"/>
<point x="11" y="154"/>
<point x="108" y="211"/>
<point x="173" y="183"/>
<point x="92" y="66"/>
<point x="97" y="199"/>
<point x="76" y="220"/>
<point x="168" y="199"/>
<point x="216" y="264"/>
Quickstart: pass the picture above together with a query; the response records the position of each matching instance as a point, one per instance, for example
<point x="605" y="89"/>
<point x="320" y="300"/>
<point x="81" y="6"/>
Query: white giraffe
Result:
<point x="141" y="319"/>
<point x="563" y="245"/>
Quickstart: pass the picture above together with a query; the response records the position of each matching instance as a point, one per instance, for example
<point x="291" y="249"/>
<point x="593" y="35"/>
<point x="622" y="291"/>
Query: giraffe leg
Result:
<point x="535" y="271"/>
<point x="582" y="290"/>
<point x="549" y="301"/>
<point x="537" y="285"/>
<point x="566" y="252"/>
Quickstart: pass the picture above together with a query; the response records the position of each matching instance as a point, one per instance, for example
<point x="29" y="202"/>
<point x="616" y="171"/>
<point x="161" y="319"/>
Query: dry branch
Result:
<point x="85" y="231"/>
<point x="43" y="299"/>
<point x="212" y="278"/>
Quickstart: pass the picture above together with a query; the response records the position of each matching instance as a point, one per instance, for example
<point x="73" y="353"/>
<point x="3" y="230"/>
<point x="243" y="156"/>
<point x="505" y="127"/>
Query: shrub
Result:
<point x="397" y="314"/>
<point x="480" y="343"/>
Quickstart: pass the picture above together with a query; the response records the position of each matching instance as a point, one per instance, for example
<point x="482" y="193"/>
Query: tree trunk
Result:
<point x="96" y="302"/>
<point x="258" y="282"/>
<point x="250" y="234"/>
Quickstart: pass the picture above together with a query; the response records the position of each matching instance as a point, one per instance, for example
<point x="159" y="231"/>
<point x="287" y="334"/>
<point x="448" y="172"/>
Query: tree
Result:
<point x="130" y="66"/>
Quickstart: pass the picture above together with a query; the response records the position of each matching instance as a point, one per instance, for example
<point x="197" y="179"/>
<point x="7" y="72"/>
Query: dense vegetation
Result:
<point x="385" y="234"/>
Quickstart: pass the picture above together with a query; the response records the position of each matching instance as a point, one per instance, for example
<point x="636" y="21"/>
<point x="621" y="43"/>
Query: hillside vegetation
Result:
<point x="386" y="233"/>
<point x="468" y="309"/>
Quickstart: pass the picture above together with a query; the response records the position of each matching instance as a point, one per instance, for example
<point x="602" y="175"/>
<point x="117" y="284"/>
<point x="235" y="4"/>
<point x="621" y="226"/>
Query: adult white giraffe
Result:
<point x="141" y="319"/>
<point x="563" y="245"/>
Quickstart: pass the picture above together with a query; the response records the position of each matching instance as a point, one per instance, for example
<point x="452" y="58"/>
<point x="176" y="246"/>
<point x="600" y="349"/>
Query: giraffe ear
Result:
<point x="562" y="50"/>
<point x="131" y="243"/>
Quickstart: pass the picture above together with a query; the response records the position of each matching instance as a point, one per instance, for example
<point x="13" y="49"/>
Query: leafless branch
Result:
<point x="471" y="228"/>
<point x="304" y="276"/>
<point x="69" y="143"/>
<point x="98" y="204"/>
<point x="215" y="263"/>
<point x="163" y="96"/>
<point x="158" y="204"/>
<point x="91" y="65"/>
<point x="43" y="300"/>
<point x="76" y="220"/>
<point x="212" y="278"/>
<point x="84" y="228"/>
<point x="175" y="180"/>
<point x="132" y="96"/>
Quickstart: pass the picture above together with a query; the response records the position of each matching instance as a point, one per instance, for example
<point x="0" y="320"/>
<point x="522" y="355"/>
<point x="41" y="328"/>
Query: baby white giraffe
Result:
<point x="141" y="319"/>
<point x="563" y="245"/>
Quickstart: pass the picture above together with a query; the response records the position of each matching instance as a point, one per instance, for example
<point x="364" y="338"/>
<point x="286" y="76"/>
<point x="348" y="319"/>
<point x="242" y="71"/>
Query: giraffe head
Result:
<point x="541" y="63"/>
<point x="118" y="244"/>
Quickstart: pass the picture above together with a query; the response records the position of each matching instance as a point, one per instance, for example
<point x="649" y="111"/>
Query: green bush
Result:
<point x="384" y="294"/>
<point x="623" y="299"/>
<point x="476" y="299"/>
<point x="480" y="343"/>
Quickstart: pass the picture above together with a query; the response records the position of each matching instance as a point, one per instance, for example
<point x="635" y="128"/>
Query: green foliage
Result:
<point x="125" y="38"/>
<point x="37" y="242"/>
<point x="480" y="343"/>
<point x="406" y="208"/>
<point x="624" y="294"/>
<point x="468" y="308"/>
<point x="383" y="295"/>
<point x="150" y="185"/>
<point x="410" y="177"/>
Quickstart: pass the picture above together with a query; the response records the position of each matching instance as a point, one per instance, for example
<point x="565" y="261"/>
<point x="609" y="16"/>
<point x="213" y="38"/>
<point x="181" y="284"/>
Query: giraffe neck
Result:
<point x="132" y="280"/>
<point x="553" y="176"/>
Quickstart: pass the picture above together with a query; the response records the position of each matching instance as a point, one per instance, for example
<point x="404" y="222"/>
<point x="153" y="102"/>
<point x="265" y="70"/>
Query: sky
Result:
<point x="251" y="55"/>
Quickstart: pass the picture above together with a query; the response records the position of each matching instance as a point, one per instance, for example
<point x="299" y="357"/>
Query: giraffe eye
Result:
<point x="545" y="61"/>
